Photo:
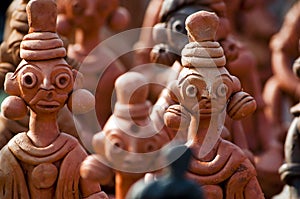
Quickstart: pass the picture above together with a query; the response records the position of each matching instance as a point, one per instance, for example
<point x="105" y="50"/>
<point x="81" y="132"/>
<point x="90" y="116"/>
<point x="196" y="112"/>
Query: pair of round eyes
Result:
<point x="30" y="80"/>
<point x="118" y="146"/>
<point x="192" y="90"/>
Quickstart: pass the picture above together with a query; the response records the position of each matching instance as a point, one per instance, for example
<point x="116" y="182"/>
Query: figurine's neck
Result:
<point x="200" y="127"/>
<point x="43" y="129"/>
<point x="87" y="40"/>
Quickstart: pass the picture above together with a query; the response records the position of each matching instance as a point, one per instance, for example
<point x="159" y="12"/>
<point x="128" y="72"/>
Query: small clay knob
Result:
<point x="202" y="26"/>
<point x="131" y="88"/>
<point x="42" y="15"/>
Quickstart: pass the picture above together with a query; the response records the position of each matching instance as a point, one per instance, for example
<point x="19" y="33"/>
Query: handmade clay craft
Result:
<point x="205" y="90"/>
<point x="9" y="60"/>
<point x="42" y="162"/>
<point x="249" y="133"/>
<point x="128" y="138"/>
<point x="84" y="20"/>
<point x="283" y="84"/>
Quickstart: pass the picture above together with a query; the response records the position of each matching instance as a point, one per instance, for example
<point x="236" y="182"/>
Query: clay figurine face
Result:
<point x="207" y="91"/>
<point x="131" y="154"/>
<point x="88" y="14"/>
<point x="45" y="86"/>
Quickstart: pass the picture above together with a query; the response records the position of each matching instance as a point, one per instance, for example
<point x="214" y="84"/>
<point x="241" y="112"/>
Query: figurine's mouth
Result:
<point x="48" y="105"/>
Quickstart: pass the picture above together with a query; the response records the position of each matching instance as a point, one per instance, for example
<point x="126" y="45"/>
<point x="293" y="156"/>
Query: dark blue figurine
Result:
<point x="174" y="185"/>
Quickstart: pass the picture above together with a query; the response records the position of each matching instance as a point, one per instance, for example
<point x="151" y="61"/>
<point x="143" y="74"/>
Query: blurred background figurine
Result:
<point x="129" y="142"/>
<point x="82" y="22"/>
<point x="290" y="169"/>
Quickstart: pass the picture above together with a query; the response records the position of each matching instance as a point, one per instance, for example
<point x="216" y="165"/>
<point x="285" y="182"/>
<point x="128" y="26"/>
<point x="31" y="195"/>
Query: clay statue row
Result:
<point x="187" y="113"/>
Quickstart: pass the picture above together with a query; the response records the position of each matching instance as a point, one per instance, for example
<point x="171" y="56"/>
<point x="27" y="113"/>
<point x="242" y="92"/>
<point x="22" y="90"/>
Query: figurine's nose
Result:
<point x="47" y="85"/>
<point x="208" y="93"/>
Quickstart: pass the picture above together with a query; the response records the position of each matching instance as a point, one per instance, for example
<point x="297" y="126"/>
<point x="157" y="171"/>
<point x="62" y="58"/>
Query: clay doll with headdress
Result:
<point x="206" y="91"/>
<point x="129" y="142"/>
<point x="42" y="162"/>
<point x="16" y="28"/>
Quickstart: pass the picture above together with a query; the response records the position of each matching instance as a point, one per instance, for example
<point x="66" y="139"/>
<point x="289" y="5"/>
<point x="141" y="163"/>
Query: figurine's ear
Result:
<point x="11" y="86"/>
<point x="78" y="79"/>
<point x="98" y="143"/>
<point x="173" y="91"/>
<point x="241" y="105"/>
<point x="14" y="108"/>
<point x="159" y="33"/>
<point x="119" y="20"/>
<point x="236" y="84"/>
<point x="81" y="101"/>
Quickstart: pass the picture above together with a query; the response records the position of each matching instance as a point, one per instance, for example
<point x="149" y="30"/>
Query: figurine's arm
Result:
<point x="90" y="190"/>
<point x="93" y="169"/>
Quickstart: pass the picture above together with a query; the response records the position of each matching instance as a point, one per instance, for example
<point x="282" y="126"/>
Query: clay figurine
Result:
<point x="174" y="184"/>
<point x="99" y="66"/>
<point x="283" y="87"/>
<point x="16" y="28"/>
<point x="42" y="162"/>
<point x="289" y="171"/>
<point x="205" y="90"/>
<point x="129" y="142"/>
<point x="254" y="134"/>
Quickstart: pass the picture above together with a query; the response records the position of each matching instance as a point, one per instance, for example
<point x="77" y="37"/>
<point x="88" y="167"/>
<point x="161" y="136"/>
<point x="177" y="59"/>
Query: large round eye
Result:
<point x="191" y="91"/>
<point x="62" y="80"/>
<point x="222" y="90"/>
<point x="179" y="26"/>
<point x="29" y="80"/>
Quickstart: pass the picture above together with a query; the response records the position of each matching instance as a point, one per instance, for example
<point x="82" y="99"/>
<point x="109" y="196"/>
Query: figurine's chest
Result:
<point x="41" y="179"/>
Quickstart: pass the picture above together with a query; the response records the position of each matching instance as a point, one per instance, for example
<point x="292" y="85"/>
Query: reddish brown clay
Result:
<point x="285" y="50"/>
<point x="206" y="91"/>
<point x="128" y="138"/>
<point x="42" y="162"/>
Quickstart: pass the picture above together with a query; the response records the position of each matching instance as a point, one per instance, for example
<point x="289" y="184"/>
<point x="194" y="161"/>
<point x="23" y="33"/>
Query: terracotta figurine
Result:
<point x="205" y="90"/>
<point x="99" y="66"/>
<point x="254" y="134"/>
<point x="129" y="142"/>
<point x="10" y="59"/>
<point x="42" y="162"/>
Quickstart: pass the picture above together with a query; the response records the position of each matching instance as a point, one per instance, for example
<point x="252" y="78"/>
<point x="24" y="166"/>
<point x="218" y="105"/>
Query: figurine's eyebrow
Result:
<point x="191" y="74"/>
<point x="226" y="75"/>
<point x="64" y="65"/>
<point x="22" y="66"/>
